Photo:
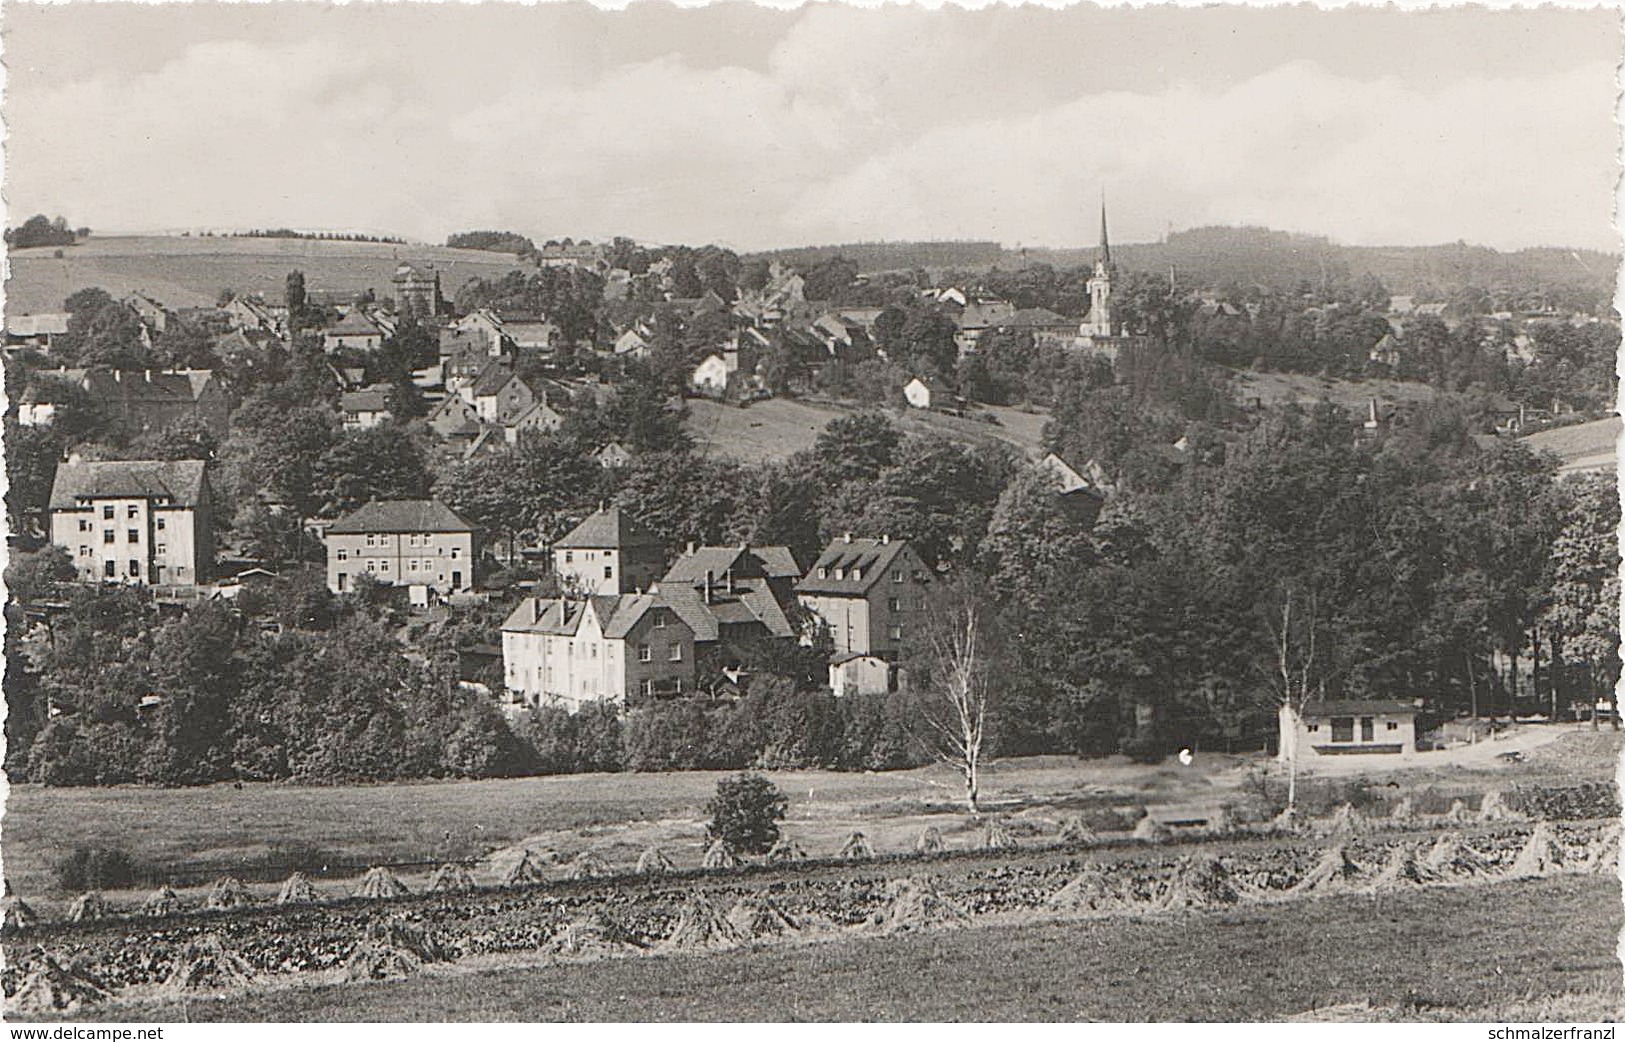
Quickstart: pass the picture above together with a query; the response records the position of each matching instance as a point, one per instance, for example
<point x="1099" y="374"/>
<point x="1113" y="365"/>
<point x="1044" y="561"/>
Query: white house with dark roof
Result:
<point x="402" y="542"/>
<point x="628" y="649"/>
<point x="365" y="409"/>
<point x="871" y="593"/>
<point x="608" y="553"/>
<point x="1341" y="728"/>
<point x="354" y="330"/>
<point x="143" y="522"/>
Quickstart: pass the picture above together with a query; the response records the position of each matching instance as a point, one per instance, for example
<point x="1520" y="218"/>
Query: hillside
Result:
<point x="191" y="272"/>
<point x="1584" y="446"/>
<point x="1274" y="389"/>
<point x="776" y="429"/>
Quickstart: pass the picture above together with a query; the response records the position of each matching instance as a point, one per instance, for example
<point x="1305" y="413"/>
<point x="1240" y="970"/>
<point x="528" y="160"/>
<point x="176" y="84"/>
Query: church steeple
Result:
<point x="1105" y="241"/>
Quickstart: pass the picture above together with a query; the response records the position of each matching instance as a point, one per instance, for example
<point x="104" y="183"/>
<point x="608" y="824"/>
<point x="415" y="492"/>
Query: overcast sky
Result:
<point x="753" y="127"/>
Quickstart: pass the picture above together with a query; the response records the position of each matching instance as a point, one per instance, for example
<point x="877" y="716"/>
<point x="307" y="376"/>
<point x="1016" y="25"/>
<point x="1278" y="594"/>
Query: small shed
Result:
<point x="1340" y="728"/>
<point x="851" y="673"/>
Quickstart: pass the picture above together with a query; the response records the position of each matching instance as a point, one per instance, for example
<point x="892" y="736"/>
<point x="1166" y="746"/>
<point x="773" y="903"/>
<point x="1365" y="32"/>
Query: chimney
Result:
<point x="116" y="378"/>
<point x="691" y="548"/>
<point x="847" y="537"/>
<point x="730" y="579"/>
<point x="709" y="577"/>
<point x="146" y="376"/>
<point x="885" y="539"/>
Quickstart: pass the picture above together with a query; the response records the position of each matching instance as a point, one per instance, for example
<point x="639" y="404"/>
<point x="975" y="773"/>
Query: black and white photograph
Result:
<point x="756" y="513"/>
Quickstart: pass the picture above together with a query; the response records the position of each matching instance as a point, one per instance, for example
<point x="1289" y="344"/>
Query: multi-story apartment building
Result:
<point x="144" y="522"/>
<point x="402" y="542"/>
<point x="628" y="650"/>
<point x="608" y="553"/>
<point x="869" y="592"/>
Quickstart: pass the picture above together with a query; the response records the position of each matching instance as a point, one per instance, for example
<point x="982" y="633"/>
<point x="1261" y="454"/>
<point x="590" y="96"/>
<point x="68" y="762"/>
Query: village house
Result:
<point x="925" y="392"/>
<point x="402" y="542"/>
<point x="608" y="553"/>
<point x="255" y="316"/>
<point x="528" y="332"/>
<point x="454" y="417"/>
<point x="539" y="417"/>
<point x="480" y="328"/>
<point x="870" y="593"/>
<point x="733" y="593"/>
<point x="417" y="291"/>
<point x="613" y="456"/>
<point x="354" y="330"/>
<point x="634" y="343"/>
<point x="1081" y="495"/>
<point x="138" y="401"/>
<point x="35" y="332"/>
<point x="498" y="395"/>
<point x="583" y="255"/>
<point x="625" y="649"/>
<point x="976" y="318"/>
<point x="143" y="522"/>
<point x="1340" y="728"/>
<point x="365" y="409"/>
<point x="153" y="315"/>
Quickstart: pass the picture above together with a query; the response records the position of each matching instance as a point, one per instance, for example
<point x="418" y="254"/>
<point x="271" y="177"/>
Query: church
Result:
<point x="1100" y="331"/>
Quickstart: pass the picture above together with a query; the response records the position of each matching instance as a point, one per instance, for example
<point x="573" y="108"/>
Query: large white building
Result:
<point x="144" y="522"/>
<point x="625" y="649"/>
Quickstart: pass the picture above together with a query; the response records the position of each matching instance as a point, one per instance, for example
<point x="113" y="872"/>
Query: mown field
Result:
<point x="191" y="272"/>
<point x="1439" y="954"/>
<point x="776" y="429"/>
<point x="1353" y="395"/>
<point x="1583" y="446"/>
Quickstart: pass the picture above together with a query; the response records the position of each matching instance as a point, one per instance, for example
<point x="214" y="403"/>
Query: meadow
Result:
<point x="191" y="272"/>
<point x="773" y="430"/>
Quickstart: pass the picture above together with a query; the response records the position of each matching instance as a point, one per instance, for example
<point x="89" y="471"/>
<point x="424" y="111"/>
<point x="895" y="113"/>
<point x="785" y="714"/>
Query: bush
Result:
<point x="96" y="868"/>
<point x="1569" y="803"/>
<point x="745" y="813"/>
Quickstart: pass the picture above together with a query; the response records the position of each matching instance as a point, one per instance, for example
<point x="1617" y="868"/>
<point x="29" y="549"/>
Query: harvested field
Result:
<point x="1460" y="941"/>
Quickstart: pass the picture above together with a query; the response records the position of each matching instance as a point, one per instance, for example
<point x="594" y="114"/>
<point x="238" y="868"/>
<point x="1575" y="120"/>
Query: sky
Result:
<point x="754" y="127"/>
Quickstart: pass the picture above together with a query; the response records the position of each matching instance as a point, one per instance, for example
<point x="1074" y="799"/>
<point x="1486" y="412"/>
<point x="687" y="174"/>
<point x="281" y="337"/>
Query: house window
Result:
<point x="569" y="557"/>
<point x="110" y="569"/>
<point x="133" y="536"/>
<point x="84" y="525"/>
<point x="135" y="569"/>
<point x="894" y="604"/>
<point x="383" y="566"/>
<point x="660" y="620"/>
<point x="1314" y="728"/>
<point x="344" y="581"/>
<point x="897" y="576"/>
<point x="107" y="512"/>
<point x="648" y="687"/>
<point x="454" y="552"/>
<point x="1393" y="725"/>
<point x="371" y="539"/>
<point x="162" y="549"/>
<point x="823" y="573"/>
<point x="343" y="554"/>
<point x="894" y="633"/>
<point x="840" y="573"/>
<point x="132" y="511"/>
<point x="609" y="571"/>
<point x="372" y="566"/>
<point x="1342" y="728"/>
<point x="107" y="535"/>
<point x="676" y="653"/>
<point x="159" y="522"/>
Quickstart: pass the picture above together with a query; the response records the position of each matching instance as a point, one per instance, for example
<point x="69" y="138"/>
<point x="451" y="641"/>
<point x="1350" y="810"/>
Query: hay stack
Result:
<point x="1494" y="808"/>
<point x="380" y="882"/>
<point x="1286" y="821"/>
<point x="857" y="848"/>
<point x="205" y="964"/>
<point x="654" y="862"/>
<point x="702" y="927"/>
<point x="930" y="841"/>
<point x="1333" y="873"/>
<point x="451" y="878"/>
<point x="524" y="872"/>
<point x="912" y="905"/>
<point x="1450" y="858"/>
<point x="1218" y="823"/>
<point x="1602" y="852"/>
<point x="785" y="851"/>
<point x="587" y="865"/>
<point x="164" y="901"/>
<point x="228" y="892"/>
<point x="1150" y="830"/>
<point x="1403" y="810"/>
<point x="595" y="934"/>
<point x="1539" y="856"/>
<point x="88" y="906"/>
<point x="392" y="948"/>
<point x="719" y="855"/>
<point x="19" y="915"/>
<point x="1200" y="881"/>
<point x="757" y="916"/>
<point x="997" y="837"/>
<point x="296" y="890"/>
<point x="1457" y="811"/>
<point x="51" y="987"/>
<point x="1091" y="891"/>
<point x="1402" y="870"/>
<point x="1343" y="822"/>
<point x="1077" y="831"/>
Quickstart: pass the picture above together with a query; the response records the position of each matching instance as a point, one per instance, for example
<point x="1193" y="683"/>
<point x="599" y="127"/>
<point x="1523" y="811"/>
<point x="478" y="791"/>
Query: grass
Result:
<point x="1449" y="954"/>
<point x="1582" y="446"/>
<point x="1353" y="395"/>
<point x="776" y="429"/>
<point x="191" y="272"/>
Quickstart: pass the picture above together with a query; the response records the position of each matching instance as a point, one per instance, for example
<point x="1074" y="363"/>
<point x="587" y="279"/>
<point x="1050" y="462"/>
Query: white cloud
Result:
<point x="851" y="126"/>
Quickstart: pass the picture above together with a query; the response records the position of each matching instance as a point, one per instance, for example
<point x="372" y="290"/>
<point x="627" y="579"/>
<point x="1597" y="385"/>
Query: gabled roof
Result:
<point x="608" y="529"/>
<point x="146" y="385"/>
<point x="53" y="323"/>
<point x="745" y="562"/>
<point x="401" y="515"/>
<point x="180" y="480"/>
<point x="1035" y="318"/>
<point x="492" y="379"/>
<point x="851" y="567"/>
<point x="354" y="324"/>
<point x="368" y="399"/>
<point x="617" y="615"/>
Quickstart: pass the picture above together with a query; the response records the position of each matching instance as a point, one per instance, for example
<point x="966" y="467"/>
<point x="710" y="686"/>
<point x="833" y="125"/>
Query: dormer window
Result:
<point x="823" y="573"/>
<point x="857" y="574"/>
<point x="840" y="573"/>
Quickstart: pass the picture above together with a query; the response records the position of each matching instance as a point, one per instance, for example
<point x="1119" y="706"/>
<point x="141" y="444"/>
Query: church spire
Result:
<point x="1105" y="242"/>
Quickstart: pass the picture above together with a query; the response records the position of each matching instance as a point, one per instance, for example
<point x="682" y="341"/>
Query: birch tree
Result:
<point x="957" y="693"/>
